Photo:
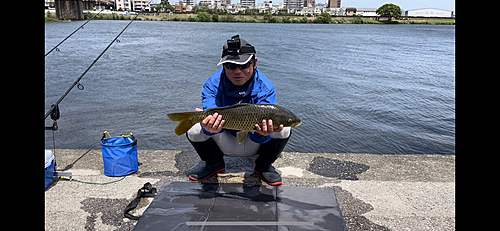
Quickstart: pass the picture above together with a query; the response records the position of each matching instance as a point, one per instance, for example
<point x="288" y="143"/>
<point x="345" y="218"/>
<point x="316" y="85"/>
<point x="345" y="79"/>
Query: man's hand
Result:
<point x="213" y="123"/>
<point x="267" y="128"/>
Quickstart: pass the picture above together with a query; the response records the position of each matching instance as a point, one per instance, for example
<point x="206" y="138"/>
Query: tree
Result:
<point x="203" y="17"/>
<point x="325" y="17"/>
<point x="389" y="10"/>
<point x="215" y="18"/>
<point x="164" y="6"/>
<point x="304" y="19"/>
<point x="268" y="17"/>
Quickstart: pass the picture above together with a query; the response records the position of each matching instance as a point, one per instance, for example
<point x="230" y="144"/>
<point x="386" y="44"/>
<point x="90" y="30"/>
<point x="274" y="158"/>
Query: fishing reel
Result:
<point x="54" y="115"/>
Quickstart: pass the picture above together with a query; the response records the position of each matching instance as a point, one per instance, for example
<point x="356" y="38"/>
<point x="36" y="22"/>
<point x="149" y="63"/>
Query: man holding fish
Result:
<point x="239" y="116"/>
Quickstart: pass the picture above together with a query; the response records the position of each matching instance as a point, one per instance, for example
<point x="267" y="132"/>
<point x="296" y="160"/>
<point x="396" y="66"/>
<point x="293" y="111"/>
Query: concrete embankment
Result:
<point x="375" y="192"/>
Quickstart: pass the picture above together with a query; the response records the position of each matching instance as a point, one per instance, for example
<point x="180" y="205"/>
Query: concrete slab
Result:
<point x="375" y="192"/>
<point x="401" y="205"/>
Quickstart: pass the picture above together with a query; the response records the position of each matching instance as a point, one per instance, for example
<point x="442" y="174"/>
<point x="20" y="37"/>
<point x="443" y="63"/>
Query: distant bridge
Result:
<point x="73" y="9"/>
<point x="69" y="9"/>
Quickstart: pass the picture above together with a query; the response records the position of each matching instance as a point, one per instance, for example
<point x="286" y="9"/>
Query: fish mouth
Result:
<point x="297" y="124"/>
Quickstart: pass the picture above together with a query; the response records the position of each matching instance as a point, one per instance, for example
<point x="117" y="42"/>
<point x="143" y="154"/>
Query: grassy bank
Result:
<point x="268" y="18"/>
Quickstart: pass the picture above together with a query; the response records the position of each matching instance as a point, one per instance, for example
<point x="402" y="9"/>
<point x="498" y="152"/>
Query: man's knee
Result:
<point x="284" y="134"/>
<point x="196" y="134"/>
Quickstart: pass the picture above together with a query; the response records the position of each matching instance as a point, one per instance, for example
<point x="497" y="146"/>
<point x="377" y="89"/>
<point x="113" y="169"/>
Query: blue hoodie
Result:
<point x="262" y="92"/>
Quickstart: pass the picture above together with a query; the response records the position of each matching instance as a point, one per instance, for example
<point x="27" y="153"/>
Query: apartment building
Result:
<point x="247" y="3"/>
<point x="333" y="4"/>
<point x="140" y="4"/>
<point x="295" y="4"/>
<point x="125" y="5"/>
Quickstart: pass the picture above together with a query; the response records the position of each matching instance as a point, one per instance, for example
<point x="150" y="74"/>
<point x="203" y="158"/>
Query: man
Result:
<point x="238" y="81"/>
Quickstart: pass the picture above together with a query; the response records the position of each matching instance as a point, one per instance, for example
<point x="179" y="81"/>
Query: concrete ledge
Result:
<point x="377" y="192"/>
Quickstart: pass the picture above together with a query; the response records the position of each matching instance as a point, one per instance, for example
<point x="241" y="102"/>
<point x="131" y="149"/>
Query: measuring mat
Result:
<point x="237" y="206"/>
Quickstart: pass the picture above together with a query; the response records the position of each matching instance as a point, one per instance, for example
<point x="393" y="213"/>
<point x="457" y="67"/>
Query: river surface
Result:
<point x="381" y="89"/>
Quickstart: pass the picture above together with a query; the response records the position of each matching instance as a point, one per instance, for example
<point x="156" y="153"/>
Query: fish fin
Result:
<point x="241" y="136"/>
<point x="184" y="122"/>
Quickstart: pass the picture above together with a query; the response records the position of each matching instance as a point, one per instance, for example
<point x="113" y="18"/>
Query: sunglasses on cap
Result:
<point x="233" y="66"/>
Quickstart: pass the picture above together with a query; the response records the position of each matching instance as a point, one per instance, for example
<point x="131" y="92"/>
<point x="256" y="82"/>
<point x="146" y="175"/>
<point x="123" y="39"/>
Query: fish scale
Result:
<point x="244" y="118"/>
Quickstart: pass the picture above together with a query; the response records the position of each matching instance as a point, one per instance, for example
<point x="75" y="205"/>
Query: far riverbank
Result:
<point x="268" y="18"/>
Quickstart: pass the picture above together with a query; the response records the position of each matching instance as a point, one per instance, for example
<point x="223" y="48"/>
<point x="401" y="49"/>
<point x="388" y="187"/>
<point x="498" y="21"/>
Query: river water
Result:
<point x="381" y="89"/>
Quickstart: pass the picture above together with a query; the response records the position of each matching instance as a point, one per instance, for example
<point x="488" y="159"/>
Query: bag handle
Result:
<point x="104" y="135"/>
<point x="134" y="140"/>
<point x="125" y="136"/>
<point x="134" y="143"/>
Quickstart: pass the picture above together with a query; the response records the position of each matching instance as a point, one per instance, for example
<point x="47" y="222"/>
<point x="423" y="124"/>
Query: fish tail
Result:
<point x="184" y="122"/>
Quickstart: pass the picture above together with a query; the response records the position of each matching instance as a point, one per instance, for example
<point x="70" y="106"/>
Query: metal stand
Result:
<point x="59" y="174"/>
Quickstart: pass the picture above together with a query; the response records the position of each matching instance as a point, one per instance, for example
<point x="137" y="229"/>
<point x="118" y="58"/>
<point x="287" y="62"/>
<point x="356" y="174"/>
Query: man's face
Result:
<point x="239" y="76"/>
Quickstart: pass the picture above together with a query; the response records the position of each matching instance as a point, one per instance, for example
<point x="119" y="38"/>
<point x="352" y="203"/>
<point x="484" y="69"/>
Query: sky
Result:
<point x="405" y="4"/>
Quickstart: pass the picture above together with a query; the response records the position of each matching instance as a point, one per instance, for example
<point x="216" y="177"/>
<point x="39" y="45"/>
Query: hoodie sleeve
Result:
<point x="210" y="90"/>
<point x="209" y="95"/>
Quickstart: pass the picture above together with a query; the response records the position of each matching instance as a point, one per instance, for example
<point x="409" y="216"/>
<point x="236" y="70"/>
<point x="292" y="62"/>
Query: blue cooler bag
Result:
<point x="119" y="155"/>
<point x="49" y="168"/>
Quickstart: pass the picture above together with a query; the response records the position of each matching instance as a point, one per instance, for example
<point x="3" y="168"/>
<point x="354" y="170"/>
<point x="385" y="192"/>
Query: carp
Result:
<point x="242" y="117"/>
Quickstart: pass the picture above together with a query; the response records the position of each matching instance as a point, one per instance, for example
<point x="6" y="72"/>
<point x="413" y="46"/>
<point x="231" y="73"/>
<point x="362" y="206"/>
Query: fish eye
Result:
<point x="289" y="120"/>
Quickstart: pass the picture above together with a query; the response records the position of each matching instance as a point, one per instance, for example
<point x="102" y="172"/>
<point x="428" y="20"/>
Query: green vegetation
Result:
<point x="49" y="17"/>
<point x="324" y="18"/>
<point x="389" y="11"/>
<point x="112" y="16"/>
<point x="164" y="6"/>
<point x="203" y="17"/>
<point x="212" y="16"/>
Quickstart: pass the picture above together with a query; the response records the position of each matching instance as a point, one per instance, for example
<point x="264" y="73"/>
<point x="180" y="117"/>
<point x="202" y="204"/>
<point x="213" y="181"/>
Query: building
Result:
<point x="236" y="8"/>
<point x="367" y="12"/>
<point x="204" y="3"/>
<point x="191" y="2"/>
<point x="333" y="4"/>
<point x="313" y="10"/>
<point x="247" y="3"/>
<point x="140" y="4"/>
<point x="125" y="5"/>
<point x="310" y="3"/>
<point x="335" y="11"/>
<point x="180" y="7"/>
<point x="295" y="4"/>
<point x="214" y="4"/>
<point x="350" y="11"/>
<point x="429" y="12"/>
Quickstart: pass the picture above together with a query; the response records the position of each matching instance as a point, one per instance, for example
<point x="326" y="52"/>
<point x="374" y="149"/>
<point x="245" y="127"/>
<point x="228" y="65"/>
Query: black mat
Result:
<point x="212" y="206"/>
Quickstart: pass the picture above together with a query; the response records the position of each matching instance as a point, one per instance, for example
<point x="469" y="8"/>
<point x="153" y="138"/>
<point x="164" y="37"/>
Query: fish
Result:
<point x="242" y="117"/>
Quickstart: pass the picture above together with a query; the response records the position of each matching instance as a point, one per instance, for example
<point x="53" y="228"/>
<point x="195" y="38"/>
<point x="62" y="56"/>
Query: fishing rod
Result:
<point x="54" y="109"/>
<point x="77" y="29"/>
